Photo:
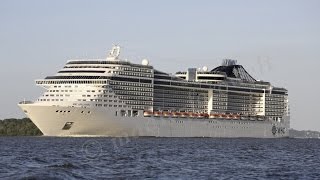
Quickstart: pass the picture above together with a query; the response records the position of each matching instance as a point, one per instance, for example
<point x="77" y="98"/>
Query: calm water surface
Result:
<point x="158" y="158"/>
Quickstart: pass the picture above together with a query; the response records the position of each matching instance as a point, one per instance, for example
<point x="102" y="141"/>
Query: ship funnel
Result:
<point x="229" y="62"/>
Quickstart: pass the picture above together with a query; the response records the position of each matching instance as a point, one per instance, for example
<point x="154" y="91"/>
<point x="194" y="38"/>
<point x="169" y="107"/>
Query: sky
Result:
<point x="275" y="40"/>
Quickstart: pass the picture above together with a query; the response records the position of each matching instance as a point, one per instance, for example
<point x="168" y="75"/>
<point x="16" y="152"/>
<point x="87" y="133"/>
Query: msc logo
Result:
<point x="277" y="130"/>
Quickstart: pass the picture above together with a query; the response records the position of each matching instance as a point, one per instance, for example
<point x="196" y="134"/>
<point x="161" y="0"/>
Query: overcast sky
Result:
<point x="275" y="40"/>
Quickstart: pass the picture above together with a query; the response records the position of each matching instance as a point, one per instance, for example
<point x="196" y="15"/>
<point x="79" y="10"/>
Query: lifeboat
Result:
<point x="147" y="113"/>
<point x="236" y="117"/>
<point x="157" y="114"/>
<point x="260" y="118"/>
<point x="214" y="115"/>
<point x="166" y="114"/>
<point x="193" y="115"/>
<point x="203" y="115"/>
<point x="223" y="116"/>
<point x="230" y="116"/>
<point x="243" y="118"/>
<point x="176" y="114"/>
<point x="184" y="114"/>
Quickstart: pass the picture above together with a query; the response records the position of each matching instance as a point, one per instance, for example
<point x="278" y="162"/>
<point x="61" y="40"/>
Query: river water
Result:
<point x="158" y="158"/>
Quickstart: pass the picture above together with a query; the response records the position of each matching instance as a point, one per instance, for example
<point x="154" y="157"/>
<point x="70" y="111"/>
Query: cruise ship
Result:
<point x="116" y="98"/>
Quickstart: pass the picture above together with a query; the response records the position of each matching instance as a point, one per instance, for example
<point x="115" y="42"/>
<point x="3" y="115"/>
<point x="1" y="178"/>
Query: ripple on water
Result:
<point x="139" y="158"/>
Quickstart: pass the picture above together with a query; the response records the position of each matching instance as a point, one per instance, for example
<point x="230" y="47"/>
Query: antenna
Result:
<point x="114" y="53"/>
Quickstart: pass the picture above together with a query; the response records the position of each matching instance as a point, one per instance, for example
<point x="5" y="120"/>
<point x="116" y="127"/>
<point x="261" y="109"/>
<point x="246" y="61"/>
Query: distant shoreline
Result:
<point x="18" y="127"/>
<point x="303" y="134"/>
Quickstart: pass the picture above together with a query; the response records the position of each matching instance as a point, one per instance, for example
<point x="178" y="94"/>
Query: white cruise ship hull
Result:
<point x="51" y="120"/>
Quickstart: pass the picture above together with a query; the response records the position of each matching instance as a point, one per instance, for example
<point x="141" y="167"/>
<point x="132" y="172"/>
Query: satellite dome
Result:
<point x="205" y="68"/>
<point x="145" y="62"/>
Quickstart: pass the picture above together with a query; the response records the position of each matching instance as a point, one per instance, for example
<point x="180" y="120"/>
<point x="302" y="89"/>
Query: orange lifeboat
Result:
<point x="200" y="115"/>
<point x="157" y="114"/>
<point x="230" y="116"/>
<point x="214" y="115"/>
<point x="147" y="113"/>
<point x="176" y="114"/>
<point x="193" y="115"/>
<point x="166" y="114"/>
<point x="223" y="116"/>
<point x="184" y="114"/>
<point x="236" y="117"/>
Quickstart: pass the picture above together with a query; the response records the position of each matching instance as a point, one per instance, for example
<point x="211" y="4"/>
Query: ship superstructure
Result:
<point x="113" y="97"/>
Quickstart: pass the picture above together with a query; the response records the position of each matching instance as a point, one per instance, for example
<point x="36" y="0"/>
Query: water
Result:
<point x="158" y="158"/>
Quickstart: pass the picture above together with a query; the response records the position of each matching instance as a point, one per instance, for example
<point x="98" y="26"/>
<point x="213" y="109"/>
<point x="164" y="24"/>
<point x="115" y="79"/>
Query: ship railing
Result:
<point x="26" y="102"/>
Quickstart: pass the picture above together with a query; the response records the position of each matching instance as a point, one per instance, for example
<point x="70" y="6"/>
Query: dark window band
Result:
<point x="83" y="71"/>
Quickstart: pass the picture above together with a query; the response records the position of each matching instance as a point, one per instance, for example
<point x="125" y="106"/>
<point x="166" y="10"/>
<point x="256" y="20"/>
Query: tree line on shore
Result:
<point x="18" y="127"/>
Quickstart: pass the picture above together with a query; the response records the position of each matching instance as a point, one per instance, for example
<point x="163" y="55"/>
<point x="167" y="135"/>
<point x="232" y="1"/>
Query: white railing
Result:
<point x="26" y="102"/>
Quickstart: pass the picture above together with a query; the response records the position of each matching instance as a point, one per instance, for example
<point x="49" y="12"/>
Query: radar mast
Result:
<point x="114" y="53"/>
